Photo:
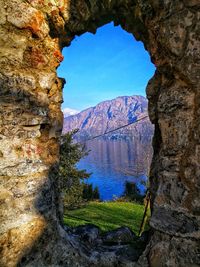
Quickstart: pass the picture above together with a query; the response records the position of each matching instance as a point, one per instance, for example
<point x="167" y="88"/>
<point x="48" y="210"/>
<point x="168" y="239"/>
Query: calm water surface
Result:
<point x="112" y="163"/>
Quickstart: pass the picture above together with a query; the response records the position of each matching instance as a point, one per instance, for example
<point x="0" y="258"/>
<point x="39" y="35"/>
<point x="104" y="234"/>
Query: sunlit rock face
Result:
<point x="32" y="34"/>
<point x="110" y="115"/>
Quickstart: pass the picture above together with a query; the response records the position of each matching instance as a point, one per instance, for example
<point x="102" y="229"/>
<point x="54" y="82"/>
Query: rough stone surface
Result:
<point x="120" y="235"/>
<point x="119" y="247"/>
<point x="88" y="233"/>
<point x="32" y="34"/>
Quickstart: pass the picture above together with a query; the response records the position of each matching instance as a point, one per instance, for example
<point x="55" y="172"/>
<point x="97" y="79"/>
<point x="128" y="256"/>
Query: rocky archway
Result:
<point x="32" y="35"/>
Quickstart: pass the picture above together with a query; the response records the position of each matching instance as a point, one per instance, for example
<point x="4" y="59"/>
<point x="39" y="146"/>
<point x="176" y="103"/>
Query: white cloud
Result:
<point x="69" y="111"/>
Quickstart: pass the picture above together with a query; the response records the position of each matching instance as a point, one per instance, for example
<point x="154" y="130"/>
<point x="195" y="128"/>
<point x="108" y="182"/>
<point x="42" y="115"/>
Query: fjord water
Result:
<point x="113" y="162"/>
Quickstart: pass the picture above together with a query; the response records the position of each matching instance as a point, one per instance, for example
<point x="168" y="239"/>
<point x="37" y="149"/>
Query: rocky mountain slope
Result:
<point x="109" y="115"/>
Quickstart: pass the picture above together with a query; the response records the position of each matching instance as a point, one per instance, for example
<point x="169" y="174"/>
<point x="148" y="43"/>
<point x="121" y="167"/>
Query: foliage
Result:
<point x="89" y="193"/>
<point x="132" y="192"/>
<point x="70" y="154"/>
<point x="107" y="215"/>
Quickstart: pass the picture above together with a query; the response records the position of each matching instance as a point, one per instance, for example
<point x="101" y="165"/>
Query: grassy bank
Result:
<point x="107" y="215"/>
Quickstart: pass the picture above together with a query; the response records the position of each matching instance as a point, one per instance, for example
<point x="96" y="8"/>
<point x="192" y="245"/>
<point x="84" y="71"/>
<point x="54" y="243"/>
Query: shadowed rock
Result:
<point x="120" y="235"/>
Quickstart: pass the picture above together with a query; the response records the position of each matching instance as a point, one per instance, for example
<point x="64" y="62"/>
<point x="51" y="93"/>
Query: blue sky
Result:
<point x="103" y="66"/>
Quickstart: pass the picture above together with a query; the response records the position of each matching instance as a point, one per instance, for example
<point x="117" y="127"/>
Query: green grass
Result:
<point x="107" y="215"/>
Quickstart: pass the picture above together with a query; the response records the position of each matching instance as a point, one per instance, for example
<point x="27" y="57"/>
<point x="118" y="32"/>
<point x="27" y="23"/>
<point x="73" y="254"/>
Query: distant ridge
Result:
<point x="109" y="115"/>
<point x="69" y="111"/>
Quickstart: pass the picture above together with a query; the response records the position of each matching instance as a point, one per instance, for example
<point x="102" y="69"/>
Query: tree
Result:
<point x="96" y="194"/>
<point x="69" y="175"/>
<point x="89" y="193"/>
<point x="132" y="192"/>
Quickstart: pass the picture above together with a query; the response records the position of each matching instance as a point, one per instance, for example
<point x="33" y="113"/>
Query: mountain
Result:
<point x="69" y="111"/>
<point x="111" y="114"/>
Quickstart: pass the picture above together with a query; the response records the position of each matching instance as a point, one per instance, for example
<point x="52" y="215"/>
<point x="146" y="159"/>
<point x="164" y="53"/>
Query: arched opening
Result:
<point x="109" y="66"/>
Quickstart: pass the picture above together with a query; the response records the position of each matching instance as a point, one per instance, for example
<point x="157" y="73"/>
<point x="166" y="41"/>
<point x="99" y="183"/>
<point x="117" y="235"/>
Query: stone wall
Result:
<point x="32" y="35"/>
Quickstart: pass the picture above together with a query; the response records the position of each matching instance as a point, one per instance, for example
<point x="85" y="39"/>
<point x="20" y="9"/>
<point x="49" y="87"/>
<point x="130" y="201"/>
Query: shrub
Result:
<point x="132" y="192"/>
<point x="89" y="193"/>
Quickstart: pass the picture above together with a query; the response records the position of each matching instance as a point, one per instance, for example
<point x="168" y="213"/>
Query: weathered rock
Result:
<point x="120" y="247"/>
<point x="145" y="236"/>
<point x="120" y="235"/>
<point x="88" y="233"/>
<point x="32" y="34"/>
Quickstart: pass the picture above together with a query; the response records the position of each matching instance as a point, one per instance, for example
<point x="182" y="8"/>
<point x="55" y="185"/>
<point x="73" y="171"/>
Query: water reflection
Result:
<point x="112" y="162"/>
